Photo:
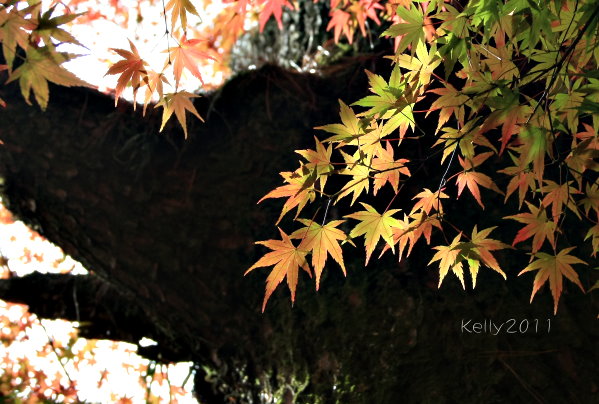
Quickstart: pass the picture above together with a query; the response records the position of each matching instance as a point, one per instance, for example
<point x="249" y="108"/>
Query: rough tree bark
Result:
<point x="167" y="226"/>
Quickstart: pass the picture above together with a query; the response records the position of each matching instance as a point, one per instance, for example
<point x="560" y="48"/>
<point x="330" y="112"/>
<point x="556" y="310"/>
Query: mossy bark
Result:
<point x="170" y="223"/>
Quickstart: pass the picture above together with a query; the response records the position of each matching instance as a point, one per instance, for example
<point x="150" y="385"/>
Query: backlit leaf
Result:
<point x="287" y="259"/>
<point x="553" y="268"/>
<point x="373" y="226"/>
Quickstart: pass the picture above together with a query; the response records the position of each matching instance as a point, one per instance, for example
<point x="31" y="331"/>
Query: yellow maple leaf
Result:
<point x="321" y="241"/>
<point x="449" y="258"/>
<point x="319" y="160"/>
<point x="360" y="173"/>
<point x="180" y="8"/>
<point x="373" y="226"/>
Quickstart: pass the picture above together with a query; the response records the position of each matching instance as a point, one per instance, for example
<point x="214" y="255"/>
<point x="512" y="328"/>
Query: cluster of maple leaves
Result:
<point x="520" y="91"/>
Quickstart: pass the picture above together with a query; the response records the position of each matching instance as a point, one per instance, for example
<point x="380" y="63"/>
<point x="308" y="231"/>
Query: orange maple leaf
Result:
<point x="180" y="9"/>
<point x="389" y="169"/>
<point x="410" y="231"/>
<point x="286" y="259"/>
<point x="340" y="22"/>
<point x="511" y="117"/>
<point x="373" y="226"/>
<point x="559" y="195"/>
<point x="178" y="103"/>
<point x="275" y="8"/>
<point x="451" y="101"/>
<point x="537" y="225"/>
<point x="132" y="71"/>
<point x="321" y="241"/>
<point x="522" y="179"/>
<point x="428" y="200"/>
<point x="153" y="83"/>
<point x="552" y="267"/>
<point x="299" y="190"/>
<point x="187" y="55"/>
<point x="364" y="9"/>
<point x="472" y="179"/>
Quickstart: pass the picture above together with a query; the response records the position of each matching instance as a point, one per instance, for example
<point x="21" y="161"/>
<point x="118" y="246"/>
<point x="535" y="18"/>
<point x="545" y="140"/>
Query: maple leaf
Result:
<point x="13" y="30"/>
<point x="275" y="8"/>
<point x="388" y="98"/>
<point x="340" y="22"/>
<point x="522" y="180"/>
<point x="535" y="143"/>
<point x="499" y="61"/>
<point x="48" y="27"/>
<point x="350" y="129"/>
<point x="364" y="9"/>
<point x="537" y="225"/>
<point x="321" y="241"/>
<point x="41" y="66"/>
<point x="593" y="233"/>
<point x="553" y="267"/>
<point x="287" y="259"/>
<point x="410" y="29"/>
<point x="373" y="226"/>
<point x="370" y="143"/>
<point x="178" y="103"/>
<point x="421" y="65"/>
<point x="448" y="257"/>
<point x="511" y="116"/>
<point x="403" y="235"/>
<point x="465" y="137"/>
<point x="299" y="190"/>
<point x="389" y="169"/>
<point x="472" y="179"/>
<point x="479" y="249"/>
<point x="132" y="71"/>
<point x="360" y="173"/>
<point x="153" y="82"/>
<point x="180" y="9"/>
<point x="187" y="55"/>
<point x="428" y="200"/>
<point x="591" y="199"/>
<point x="583" y="156"/>
<point x="409" y="231"/>
<point x="450" y="102"/>
<point x="559" y="195"/>
<point x="318" y="160"/>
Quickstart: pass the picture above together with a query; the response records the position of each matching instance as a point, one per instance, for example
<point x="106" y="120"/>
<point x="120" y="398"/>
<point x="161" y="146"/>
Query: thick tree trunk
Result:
<point x="169" y="226"/>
